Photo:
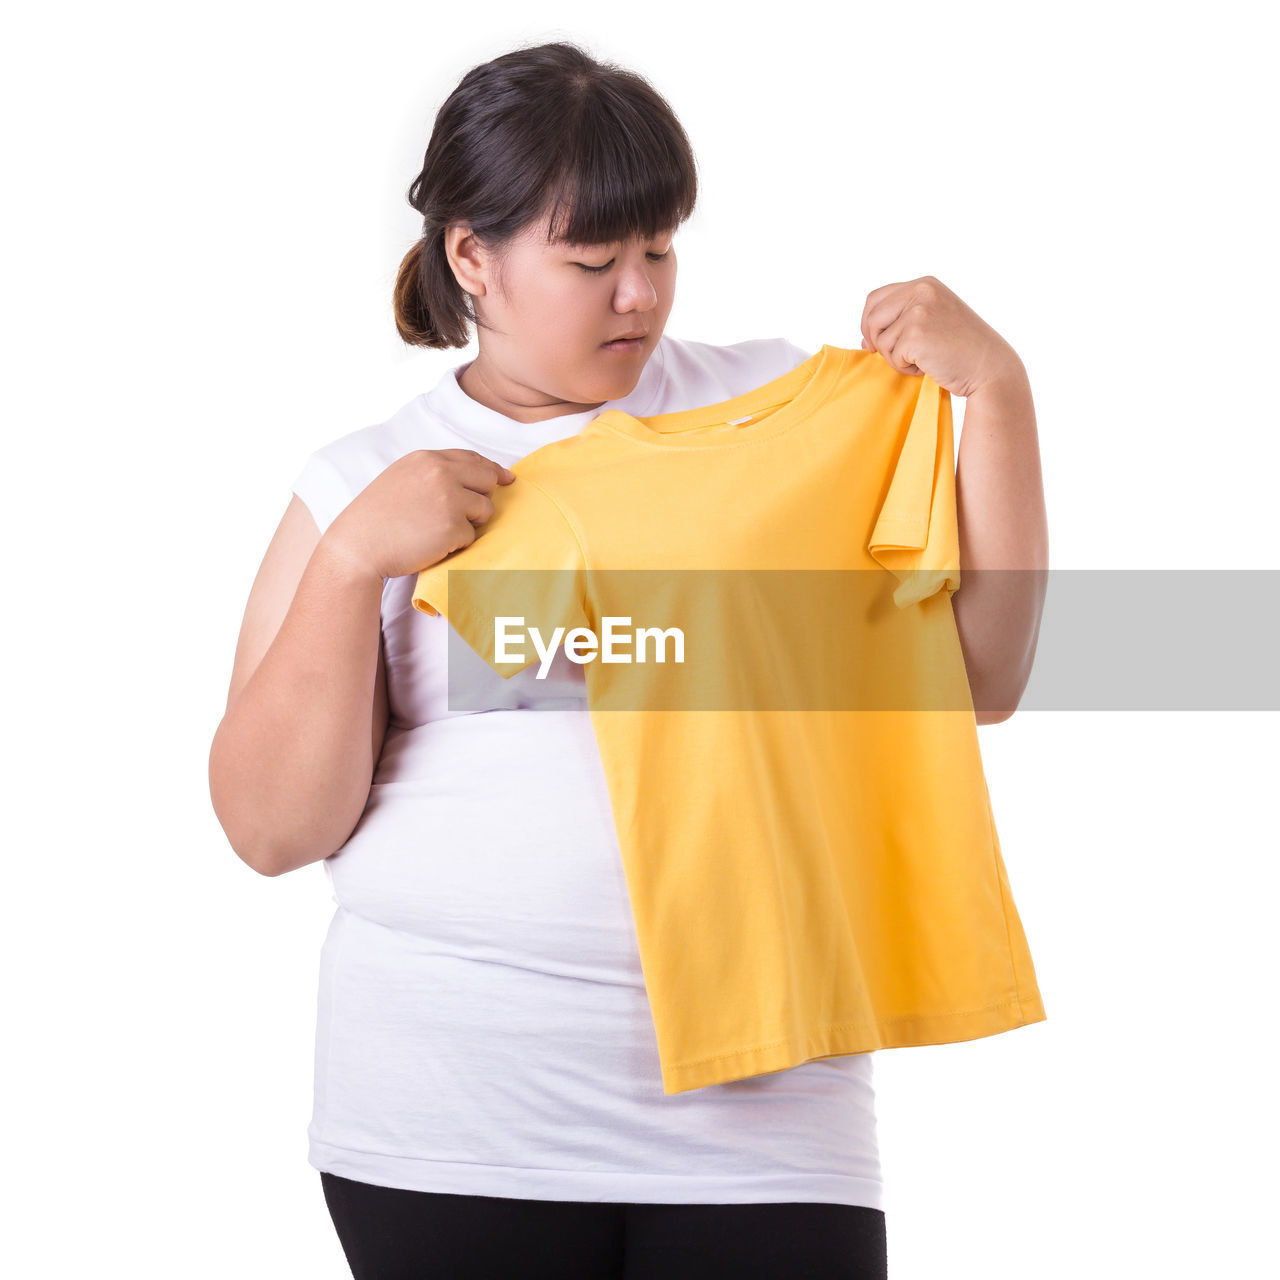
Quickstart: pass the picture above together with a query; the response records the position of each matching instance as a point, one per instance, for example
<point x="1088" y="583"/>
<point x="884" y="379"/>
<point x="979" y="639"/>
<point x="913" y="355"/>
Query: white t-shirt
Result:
<point x="482" y="1024"/>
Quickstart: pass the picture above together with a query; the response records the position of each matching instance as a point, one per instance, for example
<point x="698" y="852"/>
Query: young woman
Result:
<point x="487" y="1090"/>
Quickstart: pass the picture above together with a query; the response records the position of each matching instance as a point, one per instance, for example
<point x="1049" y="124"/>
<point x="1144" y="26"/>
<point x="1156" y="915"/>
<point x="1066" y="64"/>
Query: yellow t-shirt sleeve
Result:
<point x="916" y="534"/>
<point x="525" y="569"/>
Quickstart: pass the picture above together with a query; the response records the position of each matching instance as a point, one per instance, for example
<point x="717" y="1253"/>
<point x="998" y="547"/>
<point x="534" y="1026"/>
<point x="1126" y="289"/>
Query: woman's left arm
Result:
<point x="920" y="326"/>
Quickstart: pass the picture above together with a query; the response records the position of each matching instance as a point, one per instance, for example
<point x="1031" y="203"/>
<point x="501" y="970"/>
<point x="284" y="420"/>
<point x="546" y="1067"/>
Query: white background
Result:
<point x="205" y="214"/>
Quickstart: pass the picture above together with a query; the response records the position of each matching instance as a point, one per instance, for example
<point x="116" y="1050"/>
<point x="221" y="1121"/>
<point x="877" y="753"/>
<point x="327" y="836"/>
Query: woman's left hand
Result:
<point x="920" y="327"/>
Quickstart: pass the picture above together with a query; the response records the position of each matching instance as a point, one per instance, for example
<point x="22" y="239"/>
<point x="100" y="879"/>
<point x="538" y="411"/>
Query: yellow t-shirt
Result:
<point x="804" y="822"/>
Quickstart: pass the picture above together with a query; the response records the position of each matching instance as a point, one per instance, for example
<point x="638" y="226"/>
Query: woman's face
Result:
<point x="552" y="316"/>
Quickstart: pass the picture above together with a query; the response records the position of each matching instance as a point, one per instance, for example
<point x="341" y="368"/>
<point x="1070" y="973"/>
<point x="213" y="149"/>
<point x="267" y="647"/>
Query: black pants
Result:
<point x="391" y="1234"/>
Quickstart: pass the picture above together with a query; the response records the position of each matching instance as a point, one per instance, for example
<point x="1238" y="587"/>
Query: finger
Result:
<point x="470" y="455"/>
<point x="896" y="345"/>
<point x="880" y="310"/>
<point x="477" y="472"/>
<point x="880" y="315"/>
<point x="478" y="507"/>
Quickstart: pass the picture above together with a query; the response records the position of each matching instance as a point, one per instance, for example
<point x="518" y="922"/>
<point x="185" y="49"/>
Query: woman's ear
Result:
<point x="467" y="258"/>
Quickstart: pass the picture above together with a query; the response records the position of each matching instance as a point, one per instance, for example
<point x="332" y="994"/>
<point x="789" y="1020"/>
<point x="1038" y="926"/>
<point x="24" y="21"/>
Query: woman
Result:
<point x="487" y="1091"/>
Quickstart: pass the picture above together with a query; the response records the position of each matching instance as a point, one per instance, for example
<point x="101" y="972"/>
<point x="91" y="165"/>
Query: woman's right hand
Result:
<point x="418" y="510"/>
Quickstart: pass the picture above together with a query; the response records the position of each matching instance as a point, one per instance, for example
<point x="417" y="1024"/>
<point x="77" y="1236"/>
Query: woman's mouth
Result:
<point x="625" y="346"/>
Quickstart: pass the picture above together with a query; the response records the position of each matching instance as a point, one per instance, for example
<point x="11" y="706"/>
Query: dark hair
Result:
<point x="522" y="137"/>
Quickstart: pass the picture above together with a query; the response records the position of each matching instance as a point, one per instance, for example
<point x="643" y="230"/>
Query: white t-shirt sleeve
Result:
<point x="798" y="355"/>
<point x="322" y="487"/>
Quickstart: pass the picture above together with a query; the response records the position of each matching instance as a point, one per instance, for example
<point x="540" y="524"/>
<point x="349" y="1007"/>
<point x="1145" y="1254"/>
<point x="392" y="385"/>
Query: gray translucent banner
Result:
<point x="865" y="640"/>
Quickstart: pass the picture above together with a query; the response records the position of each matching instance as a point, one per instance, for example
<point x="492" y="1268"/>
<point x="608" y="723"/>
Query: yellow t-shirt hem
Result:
<point x="835" y="1039"/>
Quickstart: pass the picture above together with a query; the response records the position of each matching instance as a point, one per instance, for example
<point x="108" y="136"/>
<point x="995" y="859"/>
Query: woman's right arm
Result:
<point x="294" y="755"/>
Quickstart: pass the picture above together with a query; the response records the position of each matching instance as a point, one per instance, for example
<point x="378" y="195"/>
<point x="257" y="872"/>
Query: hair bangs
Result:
<point x="624" y="179"/>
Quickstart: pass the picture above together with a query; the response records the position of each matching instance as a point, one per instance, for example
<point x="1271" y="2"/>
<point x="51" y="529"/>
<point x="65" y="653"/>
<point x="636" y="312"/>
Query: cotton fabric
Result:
<point x="806" y="880"/>
<point x="482" y="1025"/>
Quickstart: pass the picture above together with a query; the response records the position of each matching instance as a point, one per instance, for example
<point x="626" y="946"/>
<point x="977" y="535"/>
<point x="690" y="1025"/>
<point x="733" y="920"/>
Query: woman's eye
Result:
<point x="657" y="257"/>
